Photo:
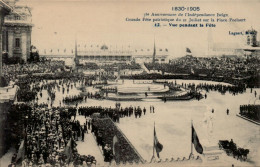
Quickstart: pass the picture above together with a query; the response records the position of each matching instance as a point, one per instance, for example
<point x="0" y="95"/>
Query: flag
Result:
<point x="196" y="142"/>
<point x="68" y="150"/>
<point x="157" y="145"/>
<point x="115" y="140"/>
<point x="21" y="153"/>
<point x="188" y="50"/>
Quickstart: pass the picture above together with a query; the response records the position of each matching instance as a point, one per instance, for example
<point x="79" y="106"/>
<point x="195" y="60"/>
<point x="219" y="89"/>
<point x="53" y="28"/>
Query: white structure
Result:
<point x="228" y="49"/>
<point x="59" y="55"/>
<point x="103" y="55"/>
<point x="146" y="56"/>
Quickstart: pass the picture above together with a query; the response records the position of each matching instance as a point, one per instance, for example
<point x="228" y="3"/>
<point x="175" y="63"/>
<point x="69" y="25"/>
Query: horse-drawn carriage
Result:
<point x="231" y="149"/>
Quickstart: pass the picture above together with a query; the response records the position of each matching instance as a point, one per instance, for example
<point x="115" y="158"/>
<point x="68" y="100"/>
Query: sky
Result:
<point x="58" y="23"/>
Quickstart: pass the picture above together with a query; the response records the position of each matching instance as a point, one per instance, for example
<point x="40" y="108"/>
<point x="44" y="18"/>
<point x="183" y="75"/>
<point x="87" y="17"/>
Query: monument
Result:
<point x="211" y="149"/>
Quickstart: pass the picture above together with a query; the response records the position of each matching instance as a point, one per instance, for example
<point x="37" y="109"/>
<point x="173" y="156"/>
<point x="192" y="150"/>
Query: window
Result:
<point x="248" y="40"/>
<point x="17" y="42"/>
<point x="17" y="18"/>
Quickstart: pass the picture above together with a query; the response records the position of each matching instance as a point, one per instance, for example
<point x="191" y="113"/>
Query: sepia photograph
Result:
<point x="122" y="83"/>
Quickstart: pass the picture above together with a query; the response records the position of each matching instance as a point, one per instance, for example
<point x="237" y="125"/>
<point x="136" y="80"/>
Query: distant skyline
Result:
<point x="57" y="23"/>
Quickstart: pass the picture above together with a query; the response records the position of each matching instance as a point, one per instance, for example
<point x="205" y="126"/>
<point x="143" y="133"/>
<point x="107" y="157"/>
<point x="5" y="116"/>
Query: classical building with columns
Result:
<point x="5" y="9"/>
<point x="16" y="32"/>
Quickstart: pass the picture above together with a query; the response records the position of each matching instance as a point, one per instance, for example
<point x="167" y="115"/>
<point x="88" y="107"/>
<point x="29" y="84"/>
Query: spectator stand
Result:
<point x="141" y="158"/>
<point x="104" y="130"/>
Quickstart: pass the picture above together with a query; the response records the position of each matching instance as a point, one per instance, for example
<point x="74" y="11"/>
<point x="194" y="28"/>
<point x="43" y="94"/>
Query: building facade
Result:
<point x="5" y="9"/>
<point x="252" y="47"/>
<point x="251" y="38"/>
<point x="16" y="33"/>
<point x="104" y="55"/>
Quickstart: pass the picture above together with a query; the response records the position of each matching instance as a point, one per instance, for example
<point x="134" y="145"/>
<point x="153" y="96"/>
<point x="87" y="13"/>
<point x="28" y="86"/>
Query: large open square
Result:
<point x="173" y="123"/>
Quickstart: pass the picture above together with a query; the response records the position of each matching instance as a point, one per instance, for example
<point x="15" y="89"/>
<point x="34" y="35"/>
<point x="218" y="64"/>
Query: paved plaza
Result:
<point x="173" y="124"/>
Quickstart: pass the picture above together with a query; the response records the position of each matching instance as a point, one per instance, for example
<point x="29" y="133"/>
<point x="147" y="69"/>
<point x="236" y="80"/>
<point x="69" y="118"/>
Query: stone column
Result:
<point x="24" y="46"/>
<point x="10" y="42"/>
<point x="3" y="40"/>
<point x="28" y="42"/>
<point x="1" y="25"/>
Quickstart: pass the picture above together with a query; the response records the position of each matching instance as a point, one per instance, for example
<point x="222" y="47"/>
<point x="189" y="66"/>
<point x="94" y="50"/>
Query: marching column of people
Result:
<point x="114" y="113"/>
<point x="50" y="138"/>
<point x="250" y="111"/>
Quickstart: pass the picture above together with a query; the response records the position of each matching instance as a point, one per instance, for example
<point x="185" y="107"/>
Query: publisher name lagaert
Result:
<point x="240" y="33"/>
<point x="234" y="33"/>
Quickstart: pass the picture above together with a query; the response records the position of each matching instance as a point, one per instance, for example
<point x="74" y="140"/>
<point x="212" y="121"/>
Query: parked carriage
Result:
<point x="231" y="149"/>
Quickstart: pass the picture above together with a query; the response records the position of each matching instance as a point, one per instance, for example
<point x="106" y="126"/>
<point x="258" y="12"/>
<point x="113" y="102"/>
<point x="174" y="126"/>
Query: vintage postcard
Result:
<point x="129" y="83"/>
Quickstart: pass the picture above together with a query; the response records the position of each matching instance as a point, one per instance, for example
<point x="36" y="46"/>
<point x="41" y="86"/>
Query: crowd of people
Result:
<point x="74" y="99"/>
<point x="114" y="113"/>
<point x="12" y="72"/>
<point x="250" y="111"/>
<point x="222" y="88"/>
<point x="32" y="90"/>
<point x="231" y="69"/>
<point x="49" y="134"/>
<point x="25" y="93"/>
<point x="49" y="138"/>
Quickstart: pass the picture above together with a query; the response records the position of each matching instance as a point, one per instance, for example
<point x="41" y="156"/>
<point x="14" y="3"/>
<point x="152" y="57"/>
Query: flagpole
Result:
<point x="191" y="139"/>
<point x="153" y="142"/>
<point x="153" y="138"/>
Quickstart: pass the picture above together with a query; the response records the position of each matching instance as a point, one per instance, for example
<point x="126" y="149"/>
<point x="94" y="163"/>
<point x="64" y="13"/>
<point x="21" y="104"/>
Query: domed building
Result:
<point x="103" y="55"/>
<point x="16" y="31"/>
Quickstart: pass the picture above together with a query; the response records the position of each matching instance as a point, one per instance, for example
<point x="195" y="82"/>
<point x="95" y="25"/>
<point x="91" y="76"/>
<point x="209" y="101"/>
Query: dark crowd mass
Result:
<point x="250" y="111"/>
<point x="46" y="135"/>
<point x="49" y="138"/>
<point x="114" y="113"/>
